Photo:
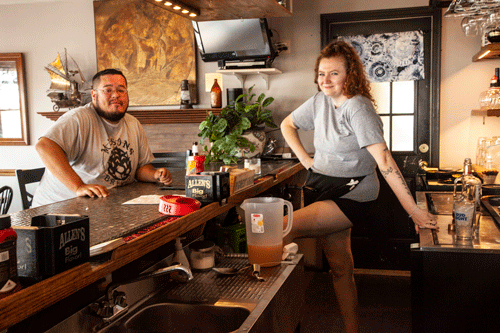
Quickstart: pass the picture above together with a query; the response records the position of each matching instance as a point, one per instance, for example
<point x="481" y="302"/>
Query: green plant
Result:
<point x="224" y="131"/>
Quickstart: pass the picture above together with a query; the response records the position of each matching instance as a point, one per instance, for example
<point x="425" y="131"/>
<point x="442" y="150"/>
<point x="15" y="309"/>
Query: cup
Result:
<point x="253" y="164"/>
<point x="202" y="256"/>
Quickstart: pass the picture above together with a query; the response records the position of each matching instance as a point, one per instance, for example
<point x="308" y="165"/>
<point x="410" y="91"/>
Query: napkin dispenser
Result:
<point x="52" y="244"/>
<point x="208" y="186"/>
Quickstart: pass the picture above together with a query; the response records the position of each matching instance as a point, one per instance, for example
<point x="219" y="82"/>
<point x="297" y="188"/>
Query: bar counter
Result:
<point x="455" y="284"/>
<point x="487" y="241"/>
<point x="110" y="219"/>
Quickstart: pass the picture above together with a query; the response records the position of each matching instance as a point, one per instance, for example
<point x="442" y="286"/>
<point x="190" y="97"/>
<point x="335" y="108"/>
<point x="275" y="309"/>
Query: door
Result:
<point x="410" y="113"/>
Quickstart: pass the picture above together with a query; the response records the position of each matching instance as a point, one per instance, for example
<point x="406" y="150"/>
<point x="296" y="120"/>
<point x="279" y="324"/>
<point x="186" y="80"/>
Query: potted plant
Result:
<point x="229" y="132"/>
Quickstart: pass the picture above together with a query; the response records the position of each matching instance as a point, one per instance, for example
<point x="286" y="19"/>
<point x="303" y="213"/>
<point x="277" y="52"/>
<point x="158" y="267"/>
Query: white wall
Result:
<point x="41" y="30"/>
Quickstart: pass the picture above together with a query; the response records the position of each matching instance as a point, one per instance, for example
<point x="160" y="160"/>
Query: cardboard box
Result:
<point x="52" y="244"/>
<point x="208" y="186"/>
<point x="239" y="179"/>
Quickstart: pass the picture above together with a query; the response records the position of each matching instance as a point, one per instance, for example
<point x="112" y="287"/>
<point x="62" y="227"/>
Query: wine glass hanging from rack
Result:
<point x="479" y="17"/>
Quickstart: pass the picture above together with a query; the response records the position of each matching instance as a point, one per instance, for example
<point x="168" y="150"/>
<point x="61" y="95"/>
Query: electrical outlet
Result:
<point x="282" y="47"/>
<point x="209" y="81"/>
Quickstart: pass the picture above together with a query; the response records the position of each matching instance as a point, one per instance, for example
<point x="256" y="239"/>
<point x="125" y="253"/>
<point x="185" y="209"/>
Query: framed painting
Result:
<point x="155" y="49"/>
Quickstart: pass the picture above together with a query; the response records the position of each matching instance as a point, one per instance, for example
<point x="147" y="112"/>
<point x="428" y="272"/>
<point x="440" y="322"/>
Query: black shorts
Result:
<point x="319" y="187"/>
<point x="357" y="212"/>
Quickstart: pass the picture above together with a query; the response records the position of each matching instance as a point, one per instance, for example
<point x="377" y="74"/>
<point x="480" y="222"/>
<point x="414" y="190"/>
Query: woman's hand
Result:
<point x="423" y="220"/>
<point x="307" y="162"/>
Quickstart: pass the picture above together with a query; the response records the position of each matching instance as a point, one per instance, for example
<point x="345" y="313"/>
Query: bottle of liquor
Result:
<point x="466" y="202"/>
<point x="216" y="95"/>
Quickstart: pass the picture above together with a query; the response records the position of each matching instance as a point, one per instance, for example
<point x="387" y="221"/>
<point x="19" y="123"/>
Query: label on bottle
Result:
<point x="8" y="261"/>
<point x="191" y="166"/>
<point x="216" y="99"/>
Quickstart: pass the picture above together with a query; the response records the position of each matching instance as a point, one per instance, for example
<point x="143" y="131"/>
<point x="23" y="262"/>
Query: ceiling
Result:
<point x="16" y="2"/>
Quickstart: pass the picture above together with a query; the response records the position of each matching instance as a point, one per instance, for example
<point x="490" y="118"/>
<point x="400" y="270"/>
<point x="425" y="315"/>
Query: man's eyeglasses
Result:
<point x="110" y="91"/>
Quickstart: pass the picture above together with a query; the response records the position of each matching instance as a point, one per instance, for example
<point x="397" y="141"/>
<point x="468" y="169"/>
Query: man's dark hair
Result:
<point x="107" y="71"/>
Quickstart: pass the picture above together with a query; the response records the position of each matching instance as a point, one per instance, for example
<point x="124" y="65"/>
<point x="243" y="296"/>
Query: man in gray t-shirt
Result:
<point x="96" y="147"/>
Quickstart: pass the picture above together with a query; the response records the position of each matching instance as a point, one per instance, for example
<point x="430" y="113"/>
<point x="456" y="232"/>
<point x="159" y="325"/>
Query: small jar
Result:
<point x="202" y="256"/>
<point x="8" y="258"/>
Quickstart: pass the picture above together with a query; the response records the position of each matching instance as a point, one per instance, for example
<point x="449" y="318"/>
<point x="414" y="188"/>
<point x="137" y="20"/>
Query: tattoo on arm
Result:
<point x="390" y="170"/>
<point x="386" y="173"/>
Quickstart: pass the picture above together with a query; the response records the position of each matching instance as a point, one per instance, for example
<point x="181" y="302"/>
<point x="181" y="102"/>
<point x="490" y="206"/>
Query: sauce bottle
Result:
<point x="216" y="95"/>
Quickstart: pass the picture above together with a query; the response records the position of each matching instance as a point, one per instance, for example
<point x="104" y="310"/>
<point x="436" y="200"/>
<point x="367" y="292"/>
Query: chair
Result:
<point x="25" y="177"/>
<point x="170" y="160"/>
<point x="5" y="199"/>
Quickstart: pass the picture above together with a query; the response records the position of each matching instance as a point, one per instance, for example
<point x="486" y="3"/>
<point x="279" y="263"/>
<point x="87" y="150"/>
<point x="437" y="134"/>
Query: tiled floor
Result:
<point x="385" y="304"/>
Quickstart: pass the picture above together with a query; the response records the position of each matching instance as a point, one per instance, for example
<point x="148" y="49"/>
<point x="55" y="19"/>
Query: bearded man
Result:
<point x="96" y="146"/>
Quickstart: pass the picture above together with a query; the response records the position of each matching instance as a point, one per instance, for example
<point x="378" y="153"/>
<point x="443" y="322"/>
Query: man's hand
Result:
<point x="162" y="175"/>
<point x="92" y="190"/>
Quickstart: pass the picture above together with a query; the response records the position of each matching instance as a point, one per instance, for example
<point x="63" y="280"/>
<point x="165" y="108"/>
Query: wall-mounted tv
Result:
<point x="241" y="43"/>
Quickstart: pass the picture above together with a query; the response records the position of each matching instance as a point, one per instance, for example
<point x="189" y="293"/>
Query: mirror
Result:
<point x="13" y="111"/>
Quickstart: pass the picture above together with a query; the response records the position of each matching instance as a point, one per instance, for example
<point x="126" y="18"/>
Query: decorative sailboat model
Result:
<point x="64" y="90"/>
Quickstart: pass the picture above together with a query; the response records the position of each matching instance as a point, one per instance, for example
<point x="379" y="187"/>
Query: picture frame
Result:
<point x="154" y="49"/>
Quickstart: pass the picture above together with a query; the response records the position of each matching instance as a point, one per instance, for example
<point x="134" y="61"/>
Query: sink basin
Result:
<point x="173" y="317"/>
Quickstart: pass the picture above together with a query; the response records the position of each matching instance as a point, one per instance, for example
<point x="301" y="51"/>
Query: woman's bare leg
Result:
<point x="337" y="248"/>
<point x="325" y="221"/>
<point x="318" y="219"/>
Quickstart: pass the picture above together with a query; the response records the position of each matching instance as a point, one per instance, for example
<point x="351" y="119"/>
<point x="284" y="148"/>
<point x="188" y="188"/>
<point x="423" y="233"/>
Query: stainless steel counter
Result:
<point x="488" y="240"/>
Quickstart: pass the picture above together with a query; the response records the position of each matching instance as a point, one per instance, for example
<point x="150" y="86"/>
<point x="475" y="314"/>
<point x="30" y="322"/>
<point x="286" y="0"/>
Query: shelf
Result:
<point x="170" y="116"/>
<point x="490" y="51"/>
<point x="233" y="9"/>
<point x="486" y="113"/>
<point x="241" y="74"/>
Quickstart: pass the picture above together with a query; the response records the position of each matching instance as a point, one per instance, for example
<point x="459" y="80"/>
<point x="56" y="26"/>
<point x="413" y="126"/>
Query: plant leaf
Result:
<point x="267" y="101"/>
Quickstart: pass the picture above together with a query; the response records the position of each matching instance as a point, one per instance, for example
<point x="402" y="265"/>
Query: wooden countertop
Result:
<point x="28" y="301"/>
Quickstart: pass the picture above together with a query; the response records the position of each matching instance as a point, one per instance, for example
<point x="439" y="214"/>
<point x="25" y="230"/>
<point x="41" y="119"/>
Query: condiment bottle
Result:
<point x="216" y="95"/>
<point x="191" y="162"/>
<point x="8" y="258"/>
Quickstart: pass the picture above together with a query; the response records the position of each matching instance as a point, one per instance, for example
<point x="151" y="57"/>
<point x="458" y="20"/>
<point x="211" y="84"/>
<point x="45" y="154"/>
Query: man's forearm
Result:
<point x="55" y="160"/>
<point x="146" y="173"/>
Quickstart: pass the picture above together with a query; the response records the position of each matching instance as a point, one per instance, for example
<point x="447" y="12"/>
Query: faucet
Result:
<point x="114" y="303"/>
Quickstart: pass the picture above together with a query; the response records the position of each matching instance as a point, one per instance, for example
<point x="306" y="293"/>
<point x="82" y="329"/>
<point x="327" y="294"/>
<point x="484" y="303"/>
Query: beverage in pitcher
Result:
<point x="265" y="255"/>
<point x="264" y="229"/>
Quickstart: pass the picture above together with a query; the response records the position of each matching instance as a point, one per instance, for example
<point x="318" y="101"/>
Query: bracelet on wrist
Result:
<point x="413" y="212"/>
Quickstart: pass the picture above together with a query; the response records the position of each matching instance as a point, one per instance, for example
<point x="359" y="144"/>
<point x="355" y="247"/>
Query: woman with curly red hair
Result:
<point x="342" y="180"/>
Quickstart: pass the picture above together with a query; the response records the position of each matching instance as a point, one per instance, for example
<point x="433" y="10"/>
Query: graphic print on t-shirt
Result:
<point x="119" y="166"/>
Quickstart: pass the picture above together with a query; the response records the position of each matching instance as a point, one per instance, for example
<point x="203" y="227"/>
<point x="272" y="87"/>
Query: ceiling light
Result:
<point x="177" y="7"/>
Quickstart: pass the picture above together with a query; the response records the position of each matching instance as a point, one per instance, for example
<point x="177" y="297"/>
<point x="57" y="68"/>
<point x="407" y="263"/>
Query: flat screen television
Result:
<point x="238" y="43"/>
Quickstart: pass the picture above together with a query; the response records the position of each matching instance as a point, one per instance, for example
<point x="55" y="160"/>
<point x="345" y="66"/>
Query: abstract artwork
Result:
<point x="153" y="48"/>
<point x="391" y="57"/>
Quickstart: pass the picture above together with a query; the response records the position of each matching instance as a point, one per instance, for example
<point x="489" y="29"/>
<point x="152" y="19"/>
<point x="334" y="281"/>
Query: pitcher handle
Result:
<point x="290" y="217"/>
